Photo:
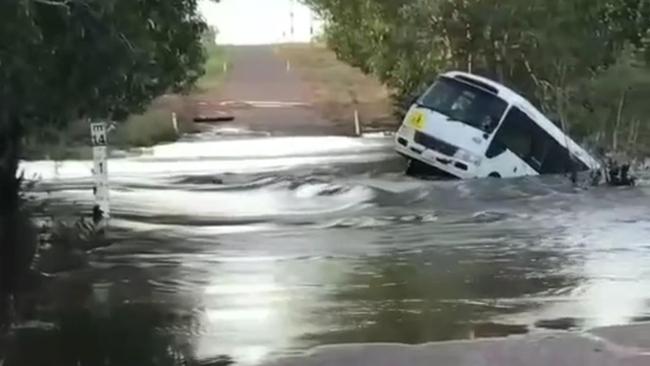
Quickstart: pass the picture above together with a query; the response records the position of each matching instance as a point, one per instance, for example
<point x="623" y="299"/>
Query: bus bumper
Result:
<point x="404" y="145"/>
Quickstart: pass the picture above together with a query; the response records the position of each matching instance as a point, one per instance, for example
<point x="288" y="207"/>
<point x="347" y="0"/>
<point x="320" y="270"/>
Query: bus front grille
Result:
<point x="435" y="144"/>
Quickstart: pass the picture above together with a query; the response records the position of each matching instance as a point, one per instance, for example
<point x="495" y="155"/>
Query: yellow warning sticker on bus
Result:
<point x="417" y="120"/>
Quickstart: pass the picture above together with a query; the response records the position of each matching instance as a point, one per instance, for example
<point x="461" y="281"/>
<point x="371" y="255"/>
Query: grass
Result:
<point x="216" y="67"/>
<point x="146" y="129"/>
<point x="50" y="142"/>
<point x="149" y="128"/>
<point x="338" y="89"/>
<point x="155" y="125"/>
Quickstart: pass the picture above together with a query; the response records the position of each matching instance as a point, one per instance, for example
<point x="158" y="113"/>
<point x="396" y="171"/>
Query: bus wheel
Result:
<point x="494" y="175"/>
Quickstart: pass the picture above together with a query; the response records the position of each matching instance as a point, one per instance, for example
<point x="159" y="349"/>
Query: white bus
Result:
<point x="467" y="126"/>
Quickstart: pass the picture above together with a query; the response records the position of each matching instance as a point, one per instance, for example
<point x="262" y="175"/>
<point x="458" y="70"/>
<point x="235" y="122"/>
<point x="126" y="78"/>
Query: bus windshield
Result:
<point x="464" y="103"/>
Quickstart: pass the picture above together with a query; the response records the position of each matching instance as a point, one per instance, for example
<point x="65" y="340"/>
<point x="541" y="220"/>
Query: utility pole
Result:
<point x="311" y="24"/>
<point x="291" y="17"/>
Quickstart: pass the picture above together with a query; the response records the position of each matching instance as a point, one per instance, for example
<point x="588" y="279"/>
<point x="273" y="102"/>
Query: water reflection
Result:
<point x="446" y="291"/>
<point x="94" y="332"/>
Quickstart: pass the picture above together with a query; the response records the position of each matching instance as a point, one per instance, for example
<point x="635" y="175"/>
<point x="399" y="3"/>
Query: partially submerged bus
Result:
<point x="467" y="126"/>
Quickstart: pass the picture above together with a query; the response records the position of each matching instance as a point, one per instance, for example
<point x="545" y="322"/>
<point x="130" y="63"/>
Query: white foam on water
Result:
<point x="269" y="147"/>
<point x="185" y="231"/>
<point x="265" y="203"/>
<point x="130" y="170"/>
<point x="218" y="157"/>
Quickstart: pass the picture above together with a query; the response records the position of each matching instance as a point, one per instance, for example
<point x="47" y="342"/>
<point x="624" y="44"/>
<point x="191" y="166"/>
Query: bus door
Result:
<point x="514" y="150"/>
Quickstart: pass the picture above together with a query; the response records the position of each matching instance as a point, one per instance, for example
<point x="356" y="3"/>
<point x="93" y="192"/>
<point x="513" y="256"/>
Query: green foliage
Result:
<point x="66" y="60"/>
<point x="209" y="37"/>
<point x="574" y="58"/>
<point x="73" y="60"/>
<point x="146" y="129"/>
<point x="214" y="68"/>
<point x="69" y="60"/>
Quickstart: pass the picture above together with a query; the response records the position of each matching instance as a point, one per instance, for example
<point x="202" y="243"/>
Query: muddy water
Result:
<point x="254" y="247"/>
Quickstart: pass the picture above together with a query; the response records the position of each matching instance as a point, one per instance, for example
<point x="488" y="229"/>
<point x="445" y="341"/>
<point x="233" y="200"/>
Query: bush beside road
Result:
<point x="149" y="128"/>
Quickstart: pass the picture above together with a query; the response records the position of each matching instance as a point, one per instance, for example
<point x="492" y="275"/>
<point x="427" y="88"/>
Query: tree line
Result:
<point x="585" y="63"/>
<point x="69" y="60"/>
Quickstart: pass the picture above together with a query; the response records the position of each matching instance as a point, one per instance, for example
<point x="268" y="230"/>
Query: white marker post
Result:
<point x="175" y="123"/>
<point x="357" y="123"/>
<point x="100" y="173"/>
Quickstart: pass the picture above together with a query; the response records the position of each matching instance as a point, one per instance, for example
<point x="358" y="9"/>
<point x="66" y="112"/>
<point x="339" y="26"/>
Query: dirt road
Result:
<point x="265" y="94"/>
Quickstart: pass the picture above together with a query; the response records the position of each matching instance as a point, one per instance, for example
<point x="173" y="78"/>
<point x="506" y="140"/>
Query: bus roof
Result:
<point x="522" y="103"/>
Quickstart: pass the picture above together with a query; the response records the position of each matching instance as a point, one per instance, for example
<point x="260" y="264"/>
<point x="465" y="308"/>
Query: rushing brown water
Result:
<point x="254" y="247"/>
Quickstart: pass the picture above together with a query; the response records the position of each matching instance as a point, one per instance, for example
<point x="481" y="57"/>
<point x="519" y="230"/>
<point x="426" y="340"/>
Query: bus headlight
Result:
<point x="469" y="157"/>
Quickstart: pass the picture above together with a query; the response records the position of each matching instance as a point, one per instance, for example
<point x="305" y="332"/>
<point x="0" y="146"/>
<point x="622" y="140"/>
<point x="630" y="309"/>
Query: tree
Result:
<point x="66" y="60"/>
<point x="209" y="37"/>
<point x="551" y="51"/>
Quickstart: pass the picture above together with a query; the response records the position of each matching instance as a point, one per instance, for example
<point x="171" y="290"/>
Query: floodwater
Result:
<point x="248" y="248"/>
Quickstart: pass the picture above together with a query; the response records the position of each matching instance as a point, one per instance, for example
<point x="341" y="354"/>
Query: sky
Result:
<point x="259" y="21"/>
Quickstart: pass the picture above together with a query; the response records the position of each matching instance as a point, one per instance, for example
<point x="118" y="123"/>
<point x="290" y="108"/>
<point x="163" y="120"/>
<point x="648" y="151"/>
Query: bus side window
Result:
<point x="531" y="143"/>
<point x="558" y="161"/>
<point x="514" y="134"/>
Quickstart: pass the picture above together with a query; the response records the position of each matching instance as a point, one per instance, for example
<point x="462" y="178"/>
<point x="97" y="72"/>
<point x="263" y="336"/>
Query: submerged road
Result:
<point x="233" y="245"/>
